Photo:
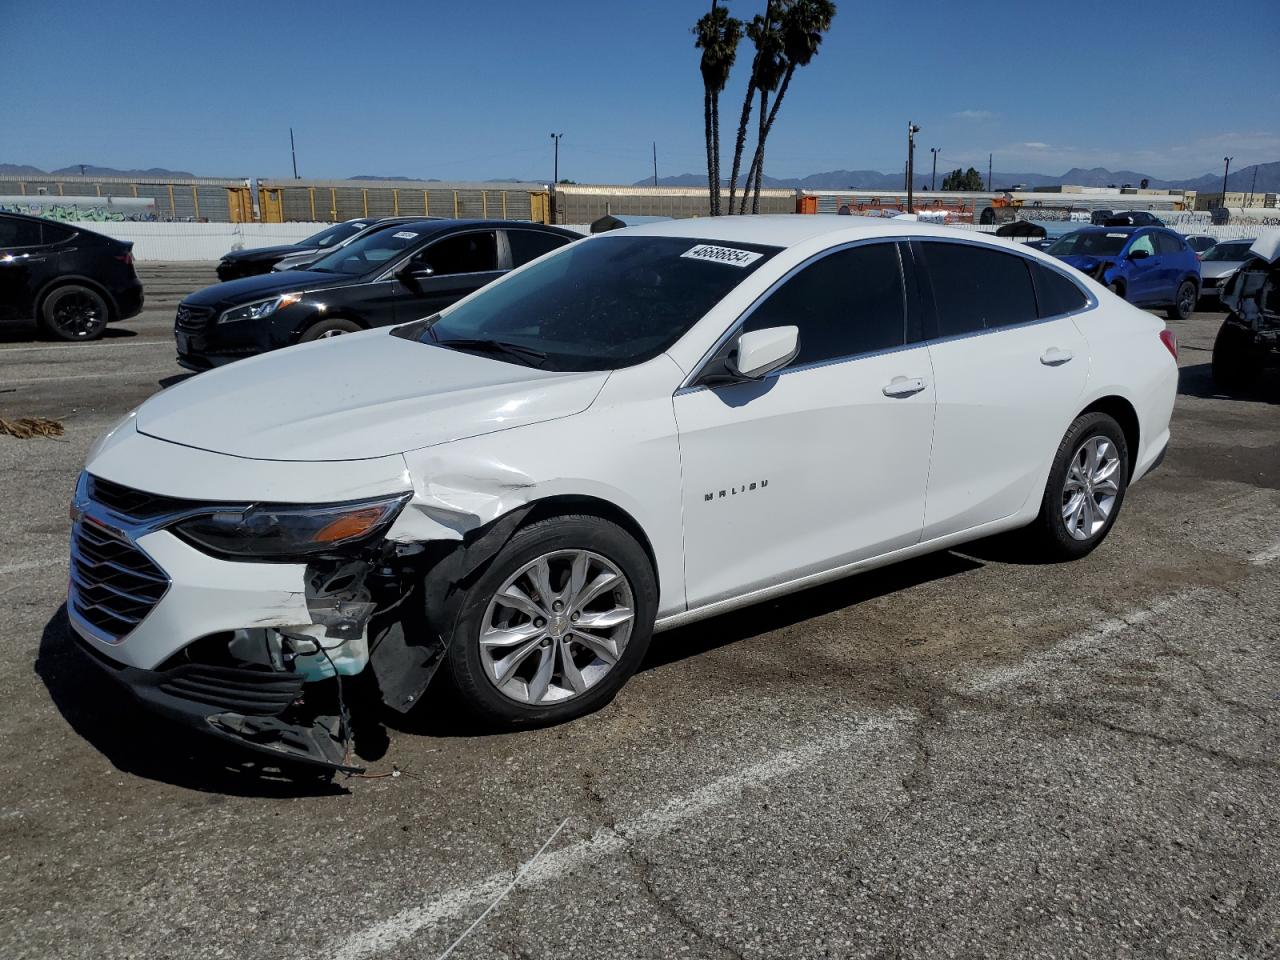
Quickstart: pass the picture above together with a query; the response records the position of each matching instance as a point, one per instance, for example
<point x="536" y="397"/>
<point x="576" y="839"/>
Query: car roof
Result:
<point x="441" y="225"/>
<point x="789" y="229"/>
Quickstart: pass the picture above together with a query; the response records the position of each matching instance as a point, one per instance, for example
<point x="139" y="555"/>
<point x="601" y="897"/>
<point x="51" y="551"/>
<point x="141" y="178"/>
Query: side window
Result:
<point x="1168" y="243"/>
<point x="1143" y="243"/>
<point x="56" y="233"/>
<point x="847" y="303"/>
<point x="465" y="253"/>
<point x="1055" y="294"/>
<point x="529" y="245"/>
<point x="19" y="233"/>
<point x="977" y="289"/>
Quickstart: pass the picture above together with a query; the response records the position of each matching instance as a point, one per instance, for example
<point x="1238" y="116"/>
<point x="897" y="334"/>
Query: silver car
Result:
<point x="1219" y="263"/>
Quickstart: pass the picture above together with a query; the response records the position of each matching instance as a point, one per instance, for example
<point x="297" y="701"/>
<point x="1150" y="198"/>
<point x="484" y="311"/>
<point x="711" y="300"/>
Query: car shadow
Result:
<point x="1196" y="380"/>
<point x="715" y="632"/>
<point x="30" y="333"/>
<point x="165" y="382"/>
<point x="146" y="745"/>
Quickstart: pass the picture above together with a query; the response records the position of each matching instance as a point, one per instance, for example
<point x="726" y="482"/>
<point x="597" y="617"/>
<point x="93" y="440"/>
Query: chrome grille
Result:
<point x="113" y="583"/>
<point x="193" y="319"/>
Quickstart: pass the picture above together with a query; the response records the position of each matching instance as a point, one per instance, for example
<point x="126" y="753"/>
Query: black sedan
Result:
<point x="71" y="281"/>
<point x="259" y="260"/>
<point x="401" y="272"/>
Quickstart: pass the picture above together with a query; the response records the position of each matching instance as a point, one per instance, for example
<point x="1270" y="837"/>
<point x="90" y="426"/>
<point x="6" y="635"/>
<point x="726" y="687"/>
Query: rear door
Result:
<point x="1008" y="373"/>
<point x="526" y="245"/>
<point x="824" y="462"/>
<point x="1144" y="281"/>
<point x="460" y="264"/>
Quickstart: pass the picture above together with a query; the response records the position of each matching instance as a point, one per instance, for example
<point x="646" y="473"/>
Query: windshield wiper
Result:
<point x="526" y="355"/>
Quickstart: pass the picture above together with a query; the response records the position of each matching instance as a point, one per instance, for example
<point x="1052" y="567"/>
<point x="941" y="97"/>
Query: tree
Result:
<point x="758" y="65"/>
<point x="718" y="37"/>
<point x="771" y="66"/>
<point x="803" y="23"/>
<point x="969" y="179"/>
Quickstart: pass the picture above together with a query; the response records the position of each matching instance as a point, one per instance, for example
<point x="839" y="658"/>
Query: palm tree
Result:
<point x="756" y="33"/>
<point x="718" y="37"/>
<point x="771" y="66"/>
<point x="803" y="24"/>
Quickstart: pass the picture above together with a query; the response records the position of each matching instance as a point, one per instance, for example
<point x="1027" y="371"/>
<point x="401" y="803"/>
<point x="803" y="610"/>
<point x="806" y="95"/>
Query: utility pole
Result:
<point x="933" y="180"/>
<point x="82" y="169"/>
<point x="555" y="174"/>
<point x="1249" y="203"/>
<point x="988" y="173"/>
<point x="1225" y="170"/>
<point x="912" y="130"/>
<point x="655" y="163"/>
<point x="293" y="153"/>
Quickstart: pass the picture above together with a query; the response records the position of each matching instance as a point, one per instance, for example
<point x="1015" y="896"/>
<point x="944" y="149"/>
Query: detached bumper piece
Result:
<point x="256" y="709"/>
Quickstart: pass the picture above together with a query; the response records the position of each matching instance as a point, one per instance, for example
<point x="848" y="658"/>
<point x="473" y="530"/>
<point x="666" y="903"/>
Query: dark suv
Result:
<point x="400" y="272"/>
<point x="71" y="281"/>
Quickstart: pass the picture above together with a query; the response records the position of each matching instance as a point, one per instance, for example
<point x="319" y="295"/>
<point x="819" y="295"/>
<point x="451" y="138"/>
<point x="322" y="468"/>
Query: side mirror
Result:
<point x="761" y="352"/>
<point x="1138" y="255"/>
<point x="410" y="274"/>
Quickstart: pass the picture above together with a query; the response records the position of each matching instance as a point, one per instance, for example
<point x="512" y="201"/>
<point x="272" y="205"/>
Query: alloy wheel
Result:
<point x="78" y="314"/>
<point x="1186" y="300"/>
<point x="1091" y="487"/>
<point x="556" y="627"/>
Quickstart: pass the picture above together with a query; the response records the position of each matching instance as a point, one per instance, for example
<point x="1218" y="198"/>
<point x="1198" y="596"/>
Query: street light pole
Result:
<point x="912" y="130"/>
<point x="293" y="153"/>
<point x="1225" y="170"/>
<point x="933" y="180"/>
<point x="555" y="174"/>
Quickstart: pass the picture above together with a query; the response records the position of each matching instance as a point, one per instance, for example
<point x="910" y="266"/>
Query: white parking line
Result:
<point x="32" y="565"/>
<point x="459" y="901"/>
<point x="135" y="344"/>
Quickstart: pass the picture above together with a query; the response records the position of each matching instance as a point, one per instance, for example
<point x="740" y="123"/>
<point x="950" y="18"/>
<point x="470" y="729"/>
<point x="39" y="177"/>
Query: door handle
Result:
<point x="903" y="387"/>
<point x="1055" y="357"/>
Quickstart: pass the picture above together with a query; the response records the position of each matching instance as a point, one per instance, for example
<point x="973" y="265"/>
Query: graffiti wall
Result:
<point x="83" y="209"/>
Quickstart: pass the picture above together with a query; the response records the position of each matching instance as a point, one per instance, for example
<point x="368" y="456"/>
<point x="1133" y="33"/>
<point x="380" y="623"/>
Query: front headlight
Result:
<point x="284" y="531"/>
<point x="259" y="309"/>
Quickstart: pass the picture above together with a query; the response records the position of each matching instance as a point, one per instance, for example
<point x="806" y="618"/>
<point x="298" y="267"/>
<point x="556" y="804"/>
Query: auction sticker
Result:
<point x="729" y="255"/>
<point x="404" y="235"/>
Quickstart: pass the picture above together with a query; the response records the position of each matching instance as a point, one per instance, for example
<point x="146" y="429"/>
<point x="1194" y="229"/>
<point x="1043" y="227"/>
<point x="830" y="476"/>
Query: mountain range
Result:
<point x="1268" y="180"/>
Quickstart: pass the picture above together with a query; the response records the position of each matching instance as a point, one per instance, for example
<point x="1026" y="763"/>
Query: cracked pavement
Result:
<point x="962" y="756"/>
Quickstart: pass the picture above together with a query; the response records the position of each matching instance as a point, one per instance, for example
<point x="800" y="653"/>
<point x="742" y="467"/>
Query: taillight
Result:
<point x="126" y="258"/>
<point x="1170" y="342"/>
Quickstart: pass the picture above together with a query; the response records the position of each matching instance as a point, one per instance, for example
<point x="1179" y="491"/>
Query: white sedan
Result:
<point x="648" y="427"/>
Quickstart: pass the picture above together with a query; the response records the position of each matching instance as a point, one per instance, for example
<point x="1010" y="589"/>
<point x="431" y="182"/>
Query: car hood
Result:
<point x="263" y="253"/>
<point x="357" y="397"/>
<point x="1216" y="269"/>
<point x="249" y="289"/>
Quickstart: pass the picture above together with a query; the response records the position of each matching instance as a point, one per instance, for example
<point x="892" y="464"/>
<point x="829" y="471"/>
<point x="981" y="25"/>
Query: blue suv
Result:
<point x="1148" y="266"/>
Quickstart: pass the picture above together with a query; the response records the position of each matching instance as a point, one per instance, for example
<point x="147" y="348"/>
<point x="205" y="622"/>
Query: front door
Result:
<point x="824" y="462"/>
<point x="460" y="264"/>
<point x="1144" y="282"/>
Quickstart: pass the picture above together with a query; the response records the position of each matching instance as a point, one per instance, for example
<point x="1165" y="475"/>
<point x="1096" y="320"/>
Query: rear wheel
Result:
<point x="1184" y="302"/>
<point x="1085" y="490"/>
<point x="1236" y="361"/>
<point x="556" y="624"/>
<point x="1117" y="289"/>
<point x="74" y="313"/>
<point x="329" y="328"/>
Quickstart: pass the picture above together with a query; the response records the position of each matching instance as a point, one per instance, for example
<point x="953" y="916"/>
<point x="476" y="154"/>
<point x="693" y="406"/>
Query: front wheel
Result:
<point x="556" y="624"/>
<point x="1085" y="490"/>
<point x="1184" y="302"/>
<point x="1237" y="364"/>
<point x="329" y="328"/>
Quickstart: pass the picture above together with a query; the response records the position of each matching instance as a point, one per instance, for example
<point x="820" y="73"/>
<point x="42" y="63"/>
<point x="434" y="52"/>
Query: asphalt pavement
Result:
<point x="960" y="756"/>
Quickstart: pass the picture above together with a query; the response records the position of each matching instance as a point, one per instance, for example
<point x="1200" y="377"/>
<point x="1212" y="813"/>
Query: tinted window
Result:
<point x="1055" y="294"/>
<point x="1168" y="243"/>
<point x="19" y="233"/>
<point x="529" y="245"/>
<point x="1089" y="243"/>
<point x="331" y="235"/>
<point x="977" y="289"/>
<point x="847" y="303"/>
<point x="369" y="252"/>
<point x="56" y="233"/>
<point x="607" y="303"/>
<point x="465" y="253"/>
<point x="1228" y="252"/>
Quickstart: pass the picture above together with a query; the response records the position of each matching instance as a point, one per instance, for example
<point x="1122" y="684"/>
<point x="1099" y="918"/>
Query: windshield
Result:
<point x="1228" y="252"/>
<point x="1088" y="243"/>
<point x="370" y="251"/>
<point x="606" y="303"/>
<point x="331" y="235"/>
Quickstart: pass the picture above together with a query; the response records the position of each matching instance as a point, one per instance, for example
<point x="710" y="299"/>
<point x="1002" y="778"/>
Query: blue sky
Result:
<point x="472" y="91"/>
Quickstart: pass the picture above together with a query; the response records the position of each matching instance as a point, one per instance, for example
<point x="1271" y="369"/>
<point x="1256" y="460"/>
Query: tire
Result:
<point x="74" y="313"/>
<point x="1237" y="364"/>
<point x="1117" y="289"/>
<point x="502" y="691"/>
<point x="1051" y="537"/>
<point x="329" y="328"/>
<point x="1184" y="302"/>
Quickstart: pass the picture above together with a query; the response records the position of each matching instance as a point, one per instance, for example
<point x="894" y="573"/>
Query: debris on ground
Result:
<point x="24" y="428"/>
